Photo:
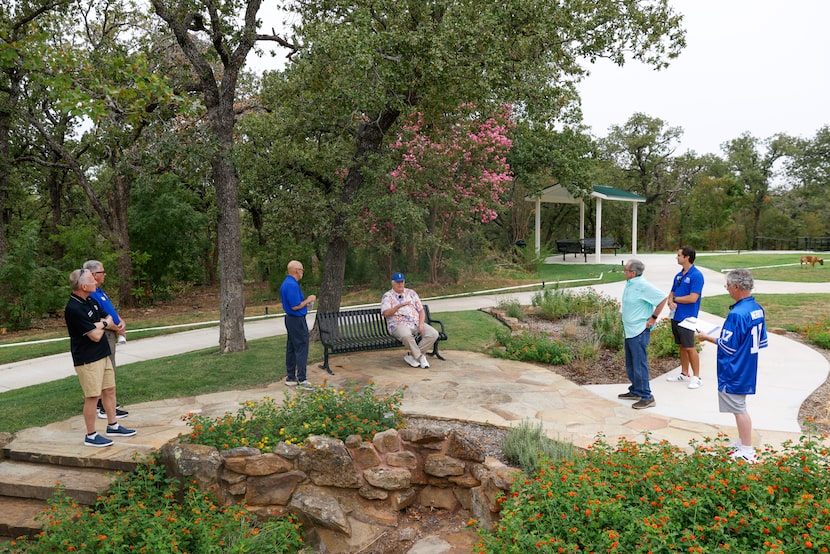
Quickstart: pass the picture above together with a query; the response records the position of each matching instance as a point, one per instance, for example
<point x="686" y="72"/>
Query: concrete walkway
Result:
<point x="478" y="388"/>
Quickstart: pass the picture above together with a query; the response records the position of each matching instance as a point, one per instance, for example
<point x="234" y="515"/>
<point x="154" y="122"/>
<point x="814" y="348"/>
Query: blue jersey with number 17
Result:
<point x="743" y="334"/>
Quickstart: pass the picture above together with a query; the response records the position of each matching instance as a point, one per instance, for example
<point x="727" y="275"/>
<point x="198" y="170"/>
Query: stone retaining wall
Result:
<point x="347" y="494"/>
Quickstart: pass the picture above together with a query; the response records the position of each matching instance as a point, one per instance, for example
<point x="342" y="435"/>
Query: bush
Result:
<point x="140" y="513"/>
<point x="527" y="445"/>
<point x="513" y="309"/>
<point x="817" y="332"/>
<point x="532" y="347"/>
<point x="608" y="327"/>
<point x="556" y="304"/>
<point x="662" y="341"/>
<point x="321" y="411"/>
<point x="651" y="497"/>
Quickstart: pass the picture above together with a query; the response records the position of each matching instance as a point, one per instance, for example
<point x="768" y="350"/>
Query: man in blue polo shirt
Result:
<point x="684" y="301"/>
<point x="642" y="303"/>
<point x="743" y="334"/>
<point x="295" y="306"/>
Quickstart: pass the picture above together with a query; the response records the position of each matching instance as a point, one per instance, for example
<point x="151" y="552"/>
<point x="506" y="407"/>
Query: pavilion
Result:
<point x="558" y="194"/>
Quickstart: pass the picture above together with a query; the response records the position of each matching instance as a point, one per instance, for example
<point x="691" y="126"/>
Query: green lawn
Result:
<point x="768" y="267"/>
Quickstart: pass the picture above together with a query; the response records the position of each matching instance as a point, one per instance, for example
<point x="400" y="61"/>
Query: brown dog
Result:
<point x="812" y="260"/>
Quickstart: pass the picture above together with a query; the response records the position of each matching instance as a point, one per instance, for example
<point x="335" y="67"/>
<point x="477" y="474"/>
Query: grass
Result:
<point x="770" y="267"/>
<point x="782" y="310"/>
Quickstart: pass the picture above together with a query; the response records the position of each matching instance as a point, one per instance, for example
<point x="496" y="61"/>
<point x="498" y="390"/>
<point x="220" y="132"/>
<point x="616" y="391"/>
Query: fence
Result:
<point x="818" y="244"/>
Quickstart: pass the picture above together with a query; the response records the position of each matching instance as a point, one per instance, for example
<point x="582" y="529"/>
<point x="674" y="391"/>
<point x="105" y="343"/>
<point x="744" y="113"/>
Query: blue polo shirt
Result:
<point x="683" y="285"/>
<point x="292" y="295"/>
<point x="638" y="302"/>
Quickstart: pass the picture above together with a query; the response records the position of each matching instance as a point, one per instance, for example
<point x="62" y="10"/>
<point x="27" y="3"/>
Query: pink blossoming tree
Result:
<point x="451" y="179"/>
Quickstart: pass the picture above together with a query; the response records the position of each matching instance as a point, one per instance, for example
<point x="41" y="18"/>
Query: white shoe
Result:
<point x="122" y="339"/>
<point x="411" y="361"/>
<point x="694" y="383"/>
<point x="424" y="362"/>
<point x="745" y="453"/>
<point x="305" y="384"/>
<point x="679" y="378"/>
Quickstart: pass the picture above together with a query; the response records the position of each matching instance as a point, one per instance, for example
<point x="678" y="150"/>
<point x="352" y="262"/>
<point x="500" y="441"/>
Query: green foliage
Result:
<point x="532" y="347"/>
<point x="662" y="341"/>
<point x="817" y="332"/>
<point x="650" y="497"/>
<point x="527" y="446"/>
<point x="556" y="304"/>
<point x="608" y="327"/>
<point x="321" y="411"/>
<point x="28" y="290"/>
<point x="141" y="513"/>
<point x="513" y="309"/>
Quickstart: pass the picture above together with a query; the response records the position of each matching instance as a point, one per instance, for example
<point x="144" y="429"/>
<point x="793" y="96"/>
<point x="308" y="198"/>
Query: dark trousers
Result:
<point x="296" y="350"/>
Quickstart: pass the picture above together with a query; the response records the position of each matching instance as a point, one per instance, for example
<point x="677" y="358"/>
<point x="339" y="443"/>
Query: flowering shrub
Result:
<point x="532" y="347"/>
<point x="654" y="497"/>
<point x="817" y="332"/>
<point x="141" y="513"/>
<point x="556" y="303"/>
<point x="323" y="411"/>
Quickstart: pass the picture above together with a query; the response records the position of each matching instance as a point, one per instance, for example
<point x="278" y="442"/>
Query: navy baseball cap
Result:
<point x="398" y="277"/>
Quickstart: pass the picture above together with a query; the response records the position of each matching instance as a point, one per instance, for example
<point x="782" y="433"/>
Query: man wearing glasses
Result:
<point x="295" y="305"/>
<point x="116" y="333"/>
<point x="86" y="323"/>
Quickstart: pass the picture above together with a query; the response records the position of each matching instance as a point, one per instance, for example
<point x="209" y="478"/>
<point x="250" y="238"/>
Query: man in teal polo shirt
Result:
<point x="642" y="303"/>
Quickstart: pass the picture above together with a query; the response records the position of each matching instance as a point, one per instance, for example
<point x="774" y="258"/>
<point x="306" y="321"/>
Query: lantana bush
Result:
<point x="323" y="411"/>
<point x="145" y="511"/>
<point x="655" y="497"/>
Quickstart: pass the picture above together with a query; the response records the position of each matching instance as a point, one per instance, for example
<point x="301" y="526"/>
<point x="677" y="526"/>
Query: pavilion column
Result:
<point x="598" y="232"/>
<point x="634" y="229"/>
<point x="538" y="226"/>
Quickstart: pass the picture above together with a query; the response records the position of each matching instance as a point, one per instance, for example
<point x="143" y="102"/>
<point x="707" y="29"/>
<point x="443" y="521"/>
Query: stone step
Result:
<point x="37" y="481"/>
<point x="18" y="517"/>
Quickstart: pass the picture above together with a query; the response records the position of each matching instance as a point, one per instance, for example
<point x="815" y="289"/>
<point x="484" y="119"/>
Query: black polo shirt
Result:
<point x="81" y="316"/>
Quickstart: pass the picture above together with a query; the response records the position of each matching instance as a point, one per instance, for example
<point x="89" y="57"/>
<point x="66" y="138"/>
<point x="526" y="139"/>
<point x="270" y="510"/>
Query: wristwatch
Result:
<point x="104" y="321"/>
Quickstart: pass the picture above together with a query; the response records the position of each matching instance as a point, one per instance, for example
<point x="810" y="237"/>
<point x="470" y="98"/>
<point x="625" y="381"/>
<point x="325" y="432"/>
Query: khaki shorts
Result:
<point x="96" y="376"/>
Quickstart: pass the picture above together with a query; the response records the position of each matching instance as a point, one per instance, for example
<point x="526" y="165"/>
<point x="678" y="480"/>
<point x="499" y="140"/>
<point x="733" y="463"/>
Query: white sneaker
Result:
<point x="745" y="453"/>
<point x="679" y="378"/>
<point x="305" y="384"/>
<point x="694" y="383"/>
<point x="424" y="362"/>
<point x="411" y="361"/>
<point x="122" y="339"/>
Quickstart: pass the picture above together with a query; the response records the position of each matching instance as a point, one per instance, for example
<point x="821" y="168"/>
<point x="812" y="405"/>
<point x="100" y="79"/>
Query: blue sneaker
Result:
<point x="119" y="431"/>
<point x="97" y="441"/>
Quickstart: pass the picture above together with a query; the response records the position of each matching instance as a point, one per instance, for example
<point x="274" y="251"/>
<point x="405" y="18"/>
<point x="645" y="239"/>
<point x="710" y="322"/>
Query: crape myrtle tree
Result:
<point x="452" y="177"/>
<point x="358" y="66"/>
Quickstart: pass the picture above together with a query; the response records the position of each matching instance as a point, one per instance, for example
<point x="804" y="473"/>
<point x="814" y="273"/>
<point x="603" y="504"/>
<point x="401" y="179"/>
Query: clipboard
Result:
<point x="699" y="326"/>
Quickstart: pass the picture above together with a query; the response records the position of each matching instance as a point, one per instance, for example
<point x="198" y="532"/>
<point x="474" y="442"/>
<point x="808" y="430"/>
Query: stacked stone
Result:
<point x="346" y="494"/>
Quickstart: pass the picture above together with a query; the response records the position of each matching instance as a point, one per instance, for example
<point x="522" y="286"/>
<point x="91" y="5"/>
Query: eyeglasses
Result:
<point x="98" y="272"/>
<point x="726" y="286"/>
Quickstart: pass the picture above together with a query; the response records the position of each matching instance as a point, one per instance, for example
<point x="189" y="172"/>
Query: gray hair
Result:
<point x="740" y="278"/>
<point x="92" y="265"/>
<point x="76" y="278"/>
<point x="636" y="266"/>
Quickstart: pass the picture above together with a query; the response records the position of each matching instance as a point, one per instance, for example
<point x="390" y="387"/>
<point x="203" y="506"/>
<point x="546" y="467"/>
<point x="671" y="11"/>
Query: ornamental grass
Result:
<point x="656" y="498"/>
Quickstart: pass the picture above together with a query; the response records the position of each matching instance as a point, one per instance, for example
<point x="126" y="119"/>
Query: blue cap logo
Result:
<point x="398" y="277"/>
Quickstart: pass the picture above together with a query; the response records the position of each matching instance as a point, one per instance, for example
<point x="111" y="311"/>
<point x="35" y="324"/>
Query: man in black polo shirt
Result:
<point x="86" y="321"/>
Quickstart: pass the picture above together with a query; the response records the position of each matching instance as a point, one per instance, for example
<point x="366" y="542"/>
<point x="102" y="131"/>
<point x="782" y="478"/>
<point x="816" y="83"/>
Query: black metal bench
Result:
<point x="363" y="330"/>
<point x="589" y="246"/>
<point x="571" y="247"/>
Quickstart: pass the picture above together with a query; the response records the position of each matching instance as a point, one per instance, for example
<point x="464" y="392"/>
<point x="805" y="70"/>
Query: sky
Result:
<point x="757" y="66"/>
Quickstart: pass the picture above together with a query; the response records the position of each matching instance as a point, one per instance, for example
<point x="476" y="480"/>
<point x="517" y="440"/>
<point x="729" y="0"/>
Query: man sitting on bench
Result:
<point x="405" y="316"/>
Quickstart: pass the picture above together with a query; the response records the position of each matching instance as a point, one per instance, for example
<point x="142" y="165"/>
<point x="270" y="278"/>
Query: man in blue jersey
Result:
<point x="642" y="303"/>
<point x="684" y="302"/>
<point x="743" y="334"/>
<point x="115" y="332"/>
<point x="295" y="306"/>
